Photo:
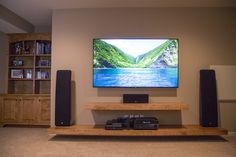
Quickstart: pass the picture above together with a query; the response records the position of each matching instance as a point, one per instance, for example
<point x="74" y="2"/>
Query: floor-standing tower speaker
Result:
<point x="208" y="99"/>
<point x="63" y="98"/>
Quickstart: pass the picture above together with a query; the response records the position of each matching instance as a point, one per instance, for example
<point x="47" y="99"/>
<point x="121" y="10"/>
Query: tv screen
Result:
<point x="135" y="63"/>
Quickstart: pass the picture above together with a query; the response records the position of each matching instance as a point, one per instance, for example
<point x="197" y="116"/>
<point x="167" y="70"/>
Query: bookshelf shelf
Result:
<point x="20" y="79"/>
<point x="42" y="79"/>
<point x="42" y="67"/>
<point x="21" y="55"/>
<point x="21" y="67"/>
<point x="43" y="55"/>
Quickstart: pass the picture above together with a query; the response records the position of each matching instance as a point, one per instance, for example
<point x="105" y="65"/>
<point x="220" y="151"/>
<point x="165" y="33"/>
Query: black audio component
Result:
<point x="112" y="125"/>
<point x="135" y="98"/>
<point x="208" y="99"/>
<point x="63" y="98"/>
<point x="146" y="123"/>
<point x="137" y="123"/>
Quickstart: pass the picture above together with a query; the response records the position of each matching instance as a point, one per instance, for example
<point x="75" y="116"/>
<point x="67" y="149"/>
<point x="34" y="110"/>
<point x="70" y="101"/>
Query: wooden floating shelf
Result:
<point x="136" y="106"/>
<point x="186" y="130"/>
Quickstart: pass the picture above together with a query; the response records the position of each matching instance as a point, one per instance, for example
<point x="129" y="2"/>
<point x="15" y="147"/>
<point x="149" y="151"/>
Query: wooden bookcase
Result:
<point x="27" y="101"/>
<point x="29" y="69"/>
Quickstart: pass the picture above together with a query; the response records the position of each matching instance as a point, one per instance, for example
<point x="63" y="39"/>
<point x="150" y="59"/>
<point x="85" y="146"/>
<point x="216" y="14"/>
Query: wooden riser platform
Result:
<point x="186" y="130"/>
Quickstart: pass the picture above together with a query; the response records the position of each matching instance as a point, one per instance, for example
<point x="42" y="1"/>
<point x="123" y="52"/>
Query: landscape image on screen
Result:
<point x="135" y="63"/>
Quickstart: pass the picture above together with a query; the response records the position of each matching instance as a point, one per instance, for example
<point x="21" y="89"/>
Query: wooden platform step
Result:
<point x="186" y="130"/>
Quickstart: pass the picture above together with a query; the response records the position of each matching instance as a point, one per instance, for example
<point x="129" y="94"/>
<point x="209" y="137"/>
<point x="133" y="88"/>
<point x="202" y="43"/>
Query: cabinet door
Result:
<point x="10" y="110"/>
<point x="28" y="110"/>
<point x="44" y="110"/>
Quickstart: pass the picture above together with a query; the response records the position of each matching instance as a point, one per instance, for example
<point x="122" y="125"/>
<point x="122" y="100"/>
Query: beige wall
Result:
<point x="3" y="62"/>
<point x="206" y="36"/>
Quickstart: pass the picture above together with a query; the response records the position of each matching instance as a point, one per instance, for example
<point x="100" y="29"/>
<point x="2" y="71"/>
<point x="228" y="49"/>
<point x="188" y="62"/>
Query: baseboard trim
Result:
<point x="231" y="132"/>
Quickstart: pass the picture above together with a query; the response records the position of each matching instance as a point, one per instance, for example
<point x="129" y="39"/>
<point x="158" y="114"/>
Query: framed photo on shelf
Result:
<point x="17" y="73"/>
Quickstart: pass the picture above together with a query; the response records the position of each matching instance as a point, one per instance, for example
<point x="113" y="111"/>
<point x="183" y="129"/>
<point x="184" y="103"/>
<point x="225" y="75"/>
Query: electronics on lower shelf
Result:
<point x="133" y="122"/>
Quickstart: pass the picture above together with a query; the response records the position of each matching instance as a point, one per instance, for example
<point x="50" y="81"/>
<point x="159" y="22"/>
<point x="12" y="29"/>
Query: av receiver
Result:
<point x="136" y="123"/>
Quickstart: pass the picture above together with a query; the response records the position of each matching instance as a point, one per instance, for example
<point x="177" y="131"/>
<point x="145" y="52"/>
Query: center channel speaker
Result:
<point x="208" y="99"/>
<point x="135" y="98"/>
<point x="63" y="98"/>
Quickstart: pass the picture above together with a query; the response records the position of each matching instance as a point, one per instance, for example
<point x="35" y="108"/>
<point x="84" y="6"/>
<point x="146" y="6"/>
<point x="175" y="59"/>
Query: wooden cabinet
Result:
<point x="25" y="109"/>
<point x="10" y="109"/>
<point x="44" y="110"/>
<point x="29" y="69"/>
<point x="29" y="78"/>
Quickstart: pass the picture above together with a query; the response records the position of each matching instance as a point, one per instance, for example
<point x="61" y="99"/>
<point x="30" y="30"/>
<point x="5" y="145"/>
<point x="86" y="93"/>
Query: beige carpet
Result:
<point x="35" y="142"/>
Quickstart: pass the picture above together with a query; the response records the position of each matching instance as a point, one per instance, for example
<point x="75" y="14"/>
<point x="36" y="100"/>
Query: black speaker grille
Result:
<point x="208" y="99"/>
<point x="63" y="98"/>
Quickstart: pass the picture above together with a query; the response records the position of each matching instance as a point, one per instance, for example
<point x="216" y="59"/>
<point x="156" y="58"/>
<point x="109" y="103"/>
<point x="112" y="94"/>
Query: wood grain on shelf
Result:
<point x="43" y="55"/>
<point x="20" y="79"/>
<point x="42" y="79"/>
<point x="21" y="67"/>
<point x="137" y="106"/>
<point x="21" y="55"/>
<point x="42" y="67"/>
<point x="14" y="95"/>
<point x="90" y="130"/>
<point x="29" y="36"/>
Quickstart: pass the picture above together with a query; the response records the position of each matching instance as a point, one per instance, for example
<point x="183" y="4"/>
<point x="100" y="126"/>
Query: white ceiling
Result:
<point x="39" y="12"/>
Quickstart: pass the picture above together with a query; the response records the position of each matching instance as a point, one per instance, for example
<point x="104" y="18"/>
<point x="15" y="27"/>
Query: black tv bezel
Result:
<point x="172" y="38"/>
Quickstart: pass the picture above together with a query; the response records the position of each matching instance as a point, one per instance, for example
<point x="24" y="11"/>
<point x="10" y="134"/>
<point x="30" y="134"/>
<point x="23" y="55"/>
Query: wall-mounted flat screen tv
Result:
<point x="135" y="63"/>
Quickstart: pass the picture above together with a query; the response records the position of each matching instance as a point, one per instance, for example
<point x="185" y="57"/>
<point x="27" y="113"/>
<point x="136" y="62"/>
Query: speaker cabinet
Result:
<point x="135" y="98"/>
<point x="63" y="98"/>
<point x="208" y="99"/>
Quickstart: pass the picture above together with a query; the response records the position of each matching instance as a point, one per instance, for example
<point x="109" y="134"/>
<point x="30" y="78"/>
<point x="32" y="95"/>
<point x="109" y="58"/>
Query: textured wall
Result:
<point x="206" y="36"/>
<point x="3" y="62"/>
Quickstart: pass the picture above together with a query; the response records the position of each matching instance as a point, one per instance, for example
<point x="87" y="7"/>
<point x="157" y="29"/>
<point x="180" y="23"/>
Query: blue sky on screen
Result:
<point x="135" y="47"/>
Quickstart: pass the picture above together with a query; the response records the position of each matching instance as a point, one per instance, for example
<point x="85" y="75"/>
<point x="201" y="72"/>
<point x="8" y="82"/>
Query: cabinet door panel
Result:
<point x="10" y="110"/>
<point x="44" y="115"/>
<point x="28" y="109"/>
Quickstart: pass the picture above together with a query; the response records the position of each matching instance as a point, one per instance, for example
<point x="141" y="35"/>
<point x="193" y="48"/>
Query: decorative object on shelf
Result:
<point x="42" y="75"/>
<point x="44" y="62"/>
<point x="16" y="48"/>
<point x="43" y="47"/>
<point x="28" y="73"/>
<point x="29" y="47"/>
<point x="16" y="73"/>
<point x="18" y="62"/>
